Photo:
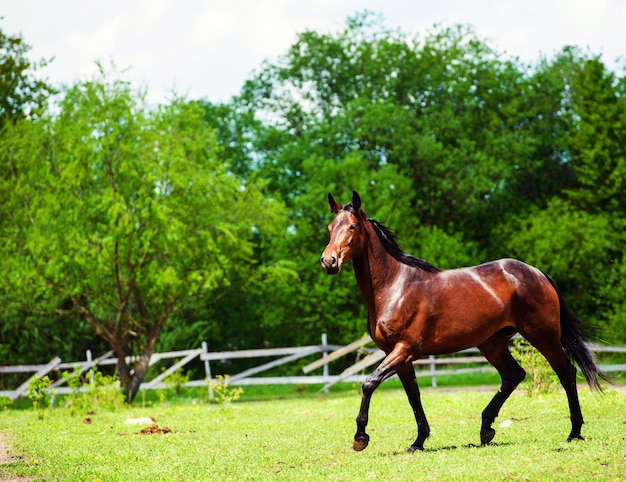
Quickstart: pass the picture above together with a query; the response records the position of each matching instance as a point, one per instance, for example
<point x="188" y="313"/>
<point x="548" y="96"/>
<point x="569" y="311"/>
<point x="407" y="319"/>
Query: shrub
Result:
<point x="39" y="394"/>
<point x="540" y="378"/>
<point x="222" y="392"/>
<point x="176" y="381"/>
<point x="93" y="391"/>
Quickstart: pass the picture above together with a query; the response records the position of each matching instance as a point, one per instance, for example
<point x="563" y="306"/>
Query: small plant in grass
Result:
<point x="176" y="381"/>
<point x="93" y="391"/>
<point x="39" y="394"/>
<point x="540" y="378"/>
<point x="5" y="403"/>
<point x="222" y="391"/>
<point x="107" y="392"/>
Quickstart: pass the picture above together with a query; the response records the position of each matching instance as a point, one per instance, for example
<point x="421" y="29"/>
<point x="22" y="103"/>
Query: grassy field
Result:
<point x="310" y="438"/>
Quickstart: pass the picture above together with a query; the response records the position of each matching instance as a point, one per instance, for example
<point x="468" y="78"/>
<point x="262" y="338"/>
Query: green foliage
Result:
<point x="540" y="377"/>
<point x="189" y="222"/>
<point x="93" y="391"/>
<point x="27" y="338"/>
<point x="223" y="393"/>
<point x="5" y="403"/>
<point x="131" y="211"/>
<point x="175" y="381"/>
<point x="598" y="150"/>
<point x="39" y="393"/>
<point x="21" y="93"/>
<point x="613" y="294"/>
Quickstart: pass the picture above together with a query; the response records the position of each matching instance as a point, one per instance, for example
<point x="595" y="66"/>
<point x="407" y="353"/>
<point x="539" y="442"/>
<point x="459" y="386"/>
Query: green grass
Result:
<point x="310" y="438"/>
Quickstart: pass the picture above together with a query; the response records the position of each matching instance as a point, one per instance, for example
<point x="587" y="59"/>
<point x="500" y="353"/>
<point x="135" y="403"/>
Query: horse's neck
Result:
<point x="374" y="269"/>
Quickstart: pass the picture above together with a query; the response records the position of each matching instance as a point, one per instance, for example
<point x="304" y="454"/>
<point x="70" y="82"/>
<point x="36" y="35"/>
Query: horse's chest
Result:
<point x="393" y="315"/>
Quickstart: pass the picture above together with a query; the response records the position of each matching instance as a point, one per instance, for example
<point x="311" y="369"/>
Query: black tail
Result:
<point x="573" y="335"/>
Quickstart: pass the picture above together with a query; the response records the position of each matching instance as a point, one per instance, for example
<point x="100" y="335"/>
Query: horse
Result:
<point x="415" y="309"/>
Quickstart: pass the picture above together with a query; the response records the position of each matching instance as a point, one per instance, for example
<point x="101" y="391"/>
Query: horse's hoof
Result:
<point x="415" y="448"/>
<point x="575" y="437"/>
<point x="487" y="436"/>
<point x="360" y="443"/>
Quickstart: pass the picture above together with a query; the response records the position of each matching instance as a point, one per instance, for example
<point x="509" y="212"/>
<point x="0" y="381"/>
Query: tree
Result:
<point x="128" y="212"/>
<point x="597" y="139"/>
<point x="598" y="156"/>
<point x="459" y="149"/>
<point x="424" y="127"/>
<point x="572" y="246"/>
<point x="22" y="95"/>
<point x="20" y="92"/>
<point x="443" y="108"/>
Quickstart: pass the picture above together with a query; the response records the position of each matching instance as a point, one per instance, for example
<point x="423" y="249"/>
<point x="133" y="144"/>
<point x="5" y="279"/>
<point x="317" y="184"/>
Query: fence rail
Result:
<point x="432" y="366"/>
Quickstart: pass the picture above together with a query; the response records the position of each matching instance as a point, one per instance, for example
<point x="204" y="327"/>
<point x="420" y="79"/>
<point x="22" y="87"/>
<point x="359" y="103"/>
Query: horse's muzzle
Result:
<point x="330" y="264"/>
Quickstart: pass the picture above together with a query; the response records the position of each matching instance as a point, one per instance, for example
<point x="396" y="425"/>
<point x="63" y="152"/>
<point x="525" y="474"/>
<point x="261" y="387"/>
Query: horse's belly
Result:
<point x="460" y="327"/>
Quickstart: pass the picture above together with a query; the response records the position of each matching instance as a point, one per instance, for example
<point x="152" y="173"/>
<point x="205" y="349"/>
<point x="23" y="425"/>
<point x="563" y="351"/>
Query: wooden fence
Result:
<point x="432" y="366"/>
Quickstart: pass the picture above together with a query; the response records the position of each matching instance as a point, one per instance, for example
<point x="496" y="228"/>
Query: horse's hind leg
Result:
<point x="409" y="382"/>
<point x="566" y="371"/>
<point x="496" y="351"/>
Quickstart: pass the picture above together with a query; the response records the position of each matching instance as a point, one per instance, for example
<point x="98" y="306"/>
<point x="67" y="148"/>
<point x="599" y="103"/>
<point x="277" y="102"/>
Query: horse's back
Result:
<point x="471" y="304"/>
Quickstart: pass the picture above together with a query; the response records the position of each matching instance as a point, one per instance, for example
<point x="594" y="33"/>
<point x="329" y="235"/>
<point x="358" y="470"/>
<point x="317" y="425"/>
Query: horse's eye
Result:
<point x="352" y="227"/>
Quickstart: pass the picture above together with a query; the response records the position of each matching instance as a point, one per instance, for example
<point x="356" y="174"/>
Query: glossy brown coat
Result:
<point x="414" y="310"/>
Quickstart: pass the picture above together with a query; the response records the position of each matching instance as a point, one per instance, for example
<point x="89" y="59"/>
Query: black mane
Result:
<point x="390" y="242"/>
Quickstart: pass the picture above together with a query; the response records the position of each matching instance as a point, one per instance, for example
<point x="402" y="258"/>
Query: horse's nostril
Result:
<point x="333" y="261"/>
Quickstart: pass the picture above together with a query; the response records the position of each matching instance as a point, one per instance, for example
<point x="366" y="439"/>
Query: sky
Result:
<point x="207" y="49"/>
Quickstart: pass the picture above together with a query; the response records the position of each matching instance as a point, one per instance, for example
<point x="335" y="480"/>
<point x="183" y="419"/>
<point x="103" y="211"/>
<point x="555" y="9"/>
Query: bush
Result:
<point x="39" y="394"/>
<point x="176" y="381"/>
<point x="222" y="392"/>
<point x="540" y="378"/>
<point x="93" y="391"/>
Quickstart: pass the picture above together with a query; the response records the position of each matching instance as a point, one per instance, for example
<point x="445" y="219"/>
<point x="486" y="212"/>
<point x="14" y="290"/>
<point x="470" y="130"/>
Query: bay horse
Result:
<point x="415" y="309"/>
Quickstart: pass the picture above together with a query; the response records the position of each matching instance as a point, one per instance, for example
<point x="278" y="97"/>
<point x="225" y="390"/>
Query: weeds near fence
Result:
<point x="223" y="393"/>
<point x="39" y="394"/>
<point x="540" y="378"/>
<point x="176" y="381"/>
<point x="93" y="391"/>
<point x="5" y="403"/>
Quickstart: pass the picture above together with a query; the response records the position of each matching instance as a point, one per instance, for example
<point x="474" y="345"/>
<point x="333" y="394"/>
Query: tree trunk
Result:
<point x="131" y="379"/>
<point x="139" y="372"/>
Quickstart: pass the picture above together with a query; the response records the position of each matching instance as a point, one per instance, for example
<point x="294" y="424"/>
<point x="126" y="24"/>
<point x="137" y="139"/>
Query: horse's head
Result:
<point x="347" y="234"/>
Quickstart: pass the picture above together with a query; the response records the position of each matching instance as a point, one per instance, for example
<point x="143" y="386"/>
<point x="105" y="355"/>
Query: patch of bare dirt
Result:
<point x="154" y="429"/>
<point x="6" y="458"/>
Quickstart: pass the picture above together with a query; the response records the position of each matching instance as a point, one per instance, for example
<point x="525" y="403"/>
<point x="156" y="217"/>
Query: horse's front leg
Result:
<point x="394" y="360"/>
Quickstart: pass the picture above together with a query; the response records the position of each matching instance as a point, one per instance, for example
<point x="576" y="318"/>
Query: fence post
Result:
<point x="325" y="355"/>
<point x="207" y="370"/>
<point x="91" y="375"/>
<point x="433" y="368"/>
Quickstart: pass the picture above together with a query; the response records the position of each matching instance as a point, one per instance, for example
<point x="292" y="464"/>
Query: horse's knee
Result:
<point x="368" y="387"/>
<point x="370" y="384"/>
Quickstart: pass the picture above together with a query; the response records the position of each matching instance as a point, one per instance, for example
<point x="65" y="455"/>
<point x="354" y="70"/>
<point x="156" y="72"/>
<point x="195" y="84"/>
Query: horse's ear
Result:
<point x="334" y="205"/>
<point x="356" y="200"/>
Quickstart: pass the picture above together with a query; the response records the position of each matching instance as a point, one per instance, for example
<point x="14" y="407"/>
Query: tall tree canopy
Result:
<point x="127" y="212"/>
<point x="458" y="148"/>
<point x="124" y="216"/>
<point x="21" y="92"/>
